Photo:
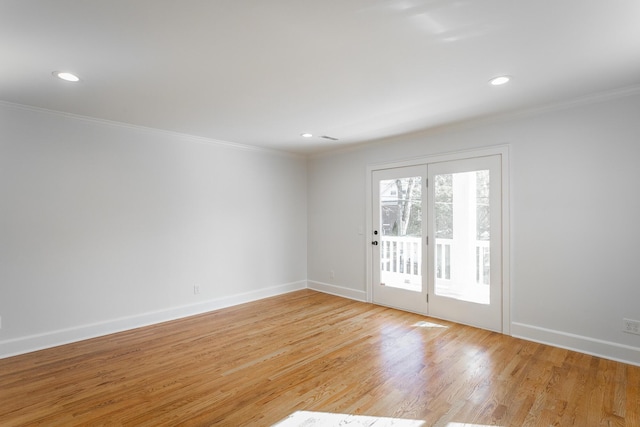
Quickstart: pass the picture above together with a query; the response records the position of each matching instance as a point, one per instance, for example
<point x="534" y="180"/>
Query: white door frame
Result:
<point x="503" y="151"/>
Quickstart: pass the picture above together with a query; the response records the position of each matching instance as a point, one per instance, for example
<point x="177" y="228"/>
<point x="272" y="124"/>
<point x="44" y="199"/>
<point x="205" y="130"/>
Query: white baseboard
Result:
<point x="595" y="347"/>
<point x="13" y="347"/>
<point x="337" y="290"/>
<point x="31" y="343"/>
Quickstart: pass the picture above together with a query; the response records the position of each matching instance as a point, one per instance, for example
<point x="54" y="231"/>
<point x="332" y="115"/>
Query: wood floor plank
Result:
<point x="257" y="363"/>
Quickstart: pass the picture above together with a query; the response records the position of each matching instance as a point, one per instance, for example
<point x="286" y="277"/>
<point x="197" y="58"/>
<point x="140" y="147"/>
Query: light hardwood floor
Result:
<point x="257" y="363"/>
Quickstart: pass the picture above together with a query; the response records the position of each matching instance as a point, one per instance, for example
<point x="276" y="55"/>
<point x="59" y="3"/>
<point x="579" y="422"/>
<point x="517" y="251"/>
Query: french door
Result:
<point x="399" y="219"/>
<point x="436" y="243"/>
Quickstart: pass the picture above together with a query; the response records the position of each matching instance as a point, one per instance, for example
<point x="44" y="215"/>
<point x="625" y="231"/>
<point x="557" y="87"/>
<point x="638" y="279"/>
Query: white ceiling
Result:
<point x="261" y="72"/>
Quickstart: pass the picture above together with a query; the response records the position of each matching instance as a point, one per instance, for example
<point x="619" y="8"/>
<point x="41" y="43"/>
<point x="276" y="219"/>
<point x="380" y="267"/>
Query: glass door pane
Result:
<point x="401" y="233"/>
<point x="463" y="234"/>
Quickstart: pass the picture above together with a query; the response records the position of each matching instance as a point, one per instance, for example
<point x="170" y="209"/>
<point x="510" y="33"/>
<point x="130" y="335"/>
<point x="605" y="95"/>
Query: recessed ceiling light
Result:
<point x="500" y="80"/>
<point x="66" y="76"/>
<point x="306" y="135"/>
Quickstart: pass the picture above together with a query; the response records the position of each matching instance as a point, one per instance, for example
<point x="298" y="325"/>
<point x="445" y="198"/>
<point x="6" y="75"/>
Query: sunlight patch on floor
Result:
<point x="326" y="419"/>
<point x="469" y="425"/>
<point x="423" y="324"/>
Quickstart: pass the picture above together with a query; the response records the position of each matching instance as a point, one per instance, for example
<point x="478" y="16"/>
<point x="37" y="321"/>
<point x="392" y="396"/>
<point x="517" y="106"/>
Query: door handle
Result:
<point x="374" y="243"/>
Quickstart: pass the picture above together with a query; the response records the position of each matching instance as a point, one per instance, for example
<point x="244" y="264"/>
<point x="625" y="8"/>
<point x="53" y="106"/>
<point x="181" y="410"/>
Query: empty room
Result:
<point x="318" y="213"/>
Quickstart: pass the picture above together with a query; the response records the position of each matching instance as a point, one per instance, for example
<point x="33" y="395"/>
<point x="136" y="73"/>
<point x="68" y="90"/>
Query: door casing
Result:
<point x="503" y="151"/>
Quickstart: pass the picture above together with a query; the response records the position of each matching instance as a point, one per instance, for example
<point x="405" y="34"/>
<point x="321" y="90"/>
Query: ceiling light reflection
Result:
<point x="500" y="80"/>
<point x="70" y="77"/>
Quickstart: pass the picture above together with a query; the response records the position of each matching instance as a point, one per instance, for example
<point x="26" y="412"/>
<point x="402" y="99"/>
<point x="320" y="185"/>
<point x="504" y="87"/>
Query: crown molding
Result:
<point x="150" y="130"/>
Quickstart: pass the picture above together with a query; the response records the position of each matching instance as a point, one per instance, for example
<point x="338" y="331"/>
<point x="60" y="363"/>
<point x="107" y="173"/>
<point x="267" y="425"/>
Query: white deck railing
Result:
<point x="401" y="259"/>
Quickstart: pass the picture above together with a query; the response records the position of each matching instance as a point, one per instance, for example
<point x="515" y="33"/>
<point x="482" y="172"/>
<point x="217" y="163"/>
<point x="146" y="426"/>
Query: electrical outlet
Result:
<point x="332" y="275"/>
<point x="631" y="326"/>
<point x="196" y="289"/>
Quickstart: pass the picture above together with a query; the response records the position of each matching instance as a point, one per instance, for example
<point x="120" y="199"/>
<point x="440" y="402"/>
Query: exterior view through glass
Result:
<point x="462" y="236"/>
<point x="401" y="233"/>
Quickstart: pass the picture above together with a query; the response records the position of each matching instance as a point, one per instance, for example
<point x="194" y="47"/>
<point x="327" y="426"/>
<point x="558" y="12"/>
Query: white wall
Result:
<point x="575" y="218"/>
<point x="105" y="227"/>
